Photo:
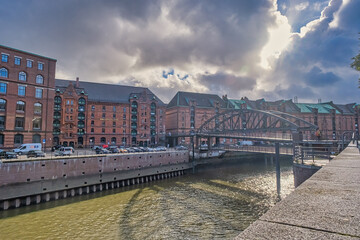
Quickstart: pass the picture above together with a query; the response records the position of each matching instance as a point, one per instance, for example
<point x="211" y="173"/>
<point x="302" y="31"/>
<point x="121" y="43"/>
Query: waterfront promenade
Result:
<point x="326" y="206"/>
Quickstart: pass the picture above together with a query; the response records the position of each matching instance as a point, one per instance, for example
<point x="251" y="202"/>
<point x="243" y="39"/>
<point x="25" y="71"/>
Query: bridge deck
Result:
<point x="326" y="206"/>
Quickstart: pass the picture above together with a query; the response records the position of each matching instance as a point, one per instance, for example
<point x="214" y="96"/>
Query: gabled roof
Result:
<point x="236" y="104"/>
<point x="346" y="108"/>
<point x="321" y="107"/>
<point x="101" y="92"/>
<point x="203" y="100"/>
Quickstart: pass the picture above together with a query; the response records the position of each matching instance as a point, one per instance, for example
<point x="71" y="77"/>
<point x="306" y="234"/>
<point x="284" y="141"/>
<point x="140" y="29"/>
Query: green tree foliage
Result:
<point x="356" y="63"/>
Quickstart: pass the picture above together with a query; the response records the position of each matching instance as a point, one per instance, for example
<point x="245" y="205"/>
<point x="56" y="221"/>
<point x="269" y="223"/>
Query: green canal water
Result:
<point x="218" y="201"/>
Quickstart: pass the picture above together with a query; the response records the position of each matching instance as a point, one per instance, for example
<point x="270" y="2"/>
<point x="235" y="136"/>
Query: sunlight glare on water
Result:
<point x="217" y="202"/>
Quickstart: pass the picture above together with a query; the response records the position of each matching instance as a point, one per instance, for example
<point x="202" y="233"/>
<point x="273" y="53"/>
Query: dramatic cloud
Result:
<point x="264" y="48"/>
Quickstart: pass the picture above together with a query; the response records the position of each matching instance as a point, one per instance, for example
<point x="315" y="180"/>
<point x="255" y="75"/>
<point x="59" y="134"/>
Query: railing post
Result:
<point x="277" y="162"/>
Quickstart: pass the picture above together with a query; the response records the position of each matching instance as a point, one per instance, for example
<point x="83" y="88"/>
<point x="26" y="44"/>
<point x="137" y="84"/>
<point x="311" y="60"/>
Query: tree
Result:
<point x="356" y="63"/>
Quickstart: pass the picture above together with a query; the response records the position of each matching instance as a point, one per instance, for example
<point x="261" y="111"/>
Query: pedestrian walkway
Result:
<point x="326" y="206"/>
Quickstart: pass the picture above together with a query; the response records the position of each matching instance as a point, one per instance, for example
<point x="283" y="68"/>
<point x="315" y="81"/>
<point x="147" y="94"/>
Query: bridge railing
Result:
<point x="304" y="154"/>
<point x="284" y="150"/>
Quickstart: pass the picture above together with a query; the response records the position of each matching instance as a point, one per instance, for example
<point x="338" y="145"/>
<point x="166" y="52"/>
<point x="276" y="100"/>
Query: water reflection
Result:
<point x="217" y="202"/>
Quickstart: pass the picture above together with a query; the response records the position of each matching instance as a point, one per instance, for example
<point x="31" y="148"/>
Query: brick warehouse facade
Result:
<point x="27" y="83"/>
<point x="88" y="114"/>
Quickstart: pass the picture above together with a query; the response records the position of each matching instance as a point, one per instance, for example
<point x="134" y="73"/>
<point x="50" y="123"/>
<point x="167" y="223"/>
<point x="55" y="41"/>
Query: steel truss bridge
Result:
<point x="255" y="125"/>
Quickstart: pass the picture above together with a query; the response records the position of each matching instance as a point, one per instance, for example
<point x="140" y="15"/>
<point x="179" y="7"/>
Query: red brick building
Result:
<point x="187" y="111"/>
<point x="88" y="114"/>
<point x="27" y="83"/>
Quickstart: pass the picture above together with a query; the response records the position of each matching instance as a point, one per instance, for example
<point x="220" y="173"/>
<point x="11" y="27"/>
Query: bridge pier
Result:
<point x="277" y="162"/>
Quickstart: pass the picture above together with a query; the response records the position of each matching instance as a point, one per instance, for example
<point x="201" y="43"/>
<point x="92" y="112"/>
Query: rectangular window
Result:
<point x="38" y="93"/>
<point x="17" y="61"/>
<point x="103" y="130"/>
<point x="92" y="108"/>
<point x="114" y="124"/>
<point x="124" y="116"/>
<point x="37" y="123"/>
<point x="4" y="57"/>
<point x="29" y="63"/>
<point x="114" y="109"/>
<point x="114" y="130"/>
<point x="114" y="116"/>
<point x="21" y="90"/>
<point x="92" y="123"/>
<point x="40" y="66"/>
<point x="3" y="87"/>
<point x="103" y="115"/>
<point x="103" y="108"/>
<point x="19" y="122"/>
<point x="103" y="124"/>
<point x="92" y="130"/>
<point x="2" y="122"/>
<point x="124" y="109"/>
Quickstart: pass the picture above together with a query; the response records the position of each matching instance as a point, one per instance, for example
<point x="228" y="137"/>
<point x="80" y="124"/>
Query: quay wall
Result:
<point x="302" y="172"/>
<point x="26" y="182"/>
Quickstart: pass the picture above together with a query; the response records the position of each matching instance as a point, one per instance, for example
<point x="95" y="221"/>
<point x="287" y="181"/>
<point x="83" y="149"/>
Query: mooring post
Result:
<point x="277" y="163"/>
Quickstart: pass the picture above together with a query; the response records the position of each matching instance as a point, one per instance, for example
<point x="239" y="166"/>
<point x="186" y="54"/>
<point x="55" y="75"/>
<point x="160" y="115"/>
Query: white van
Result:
<point x="26" y="147"/>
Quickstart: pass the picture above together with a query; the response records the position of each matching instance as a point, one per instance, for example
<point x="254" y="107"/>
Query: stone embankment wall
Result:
<point x="28" y="182"/>
<point x="303" y="172"/>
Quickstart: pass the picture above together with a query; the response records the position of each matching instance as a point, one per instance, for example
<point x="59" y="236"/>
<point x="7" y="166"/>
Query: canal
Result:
<point x="218" y="201"/>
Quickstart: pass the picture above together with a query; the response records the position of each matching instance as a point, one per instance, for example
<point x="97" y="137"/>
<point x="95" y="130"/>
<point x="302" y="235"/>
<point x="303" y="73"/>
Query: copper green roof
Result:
<point x="237" y="103"/>
<point x="321" y="107"/>
<point x="27" y="52"/>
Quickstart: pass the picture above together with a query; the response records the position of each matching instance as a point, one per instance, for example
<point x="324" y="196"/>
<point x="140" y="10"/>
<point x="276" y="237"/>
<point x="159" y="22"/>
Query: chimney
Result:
<point x="77" y="82"/>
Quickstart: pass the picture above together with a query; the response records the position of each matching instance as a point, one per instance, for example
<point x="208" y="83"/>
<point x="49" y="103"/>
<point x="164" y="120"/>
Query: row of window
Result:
<point x="20" y="106"/>
<point x="17" y="61"/>
<point x="104" y="108"/>
<point x="21" y="90"/>
<point x="103" y="140"/>
<point x="22" y="76"/>
<point x="19" y="139"/>
<point x="20" y="123"/>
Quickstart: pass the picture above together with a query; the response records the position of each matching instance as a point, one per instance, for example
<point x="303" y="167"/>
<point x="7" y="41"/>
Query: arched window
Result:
<point x="39" y="79"/>
<point x="4" y="72"/>
<point x="82" y="101"/>
<point x="36" y="138"/>
<point x="56" y="123"/>
<point x="57" y="99"/>
<point x="113" y="140"/>
<point x="153" y="108"/>
<point x="22" y="76"/>
<point x="81" y="116"/>
<point x="20" y="106"/>
<point x="37" y="108"/>
<point x="57" y="115"/>
<point x="81" y="124"/>
<point x="2" y="104"/>
<point x="18" y="139"/>
<point x="103" y="140"/>
<point x="133" y="132"/>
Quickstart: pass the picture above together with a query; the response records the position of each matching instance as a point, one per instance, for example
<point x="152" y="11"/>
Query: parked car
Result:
<point x="130" y="150"/>
<point x="35" y="153"/>
<point x="65" y="151"/>
<point x="180" y="147"/>
<point x="24" y="148"/>
<point x="102" y="151"/>
<point x="123" y="150"/>
<point x="7" y="155"/>
<point x="161" y="148"/>
<point x="114" y="150"/>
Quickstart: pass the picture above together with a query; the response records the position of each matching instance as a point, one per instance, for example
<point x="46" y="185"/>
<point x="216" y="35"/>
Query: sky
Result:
<point x="272" y="49"/>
